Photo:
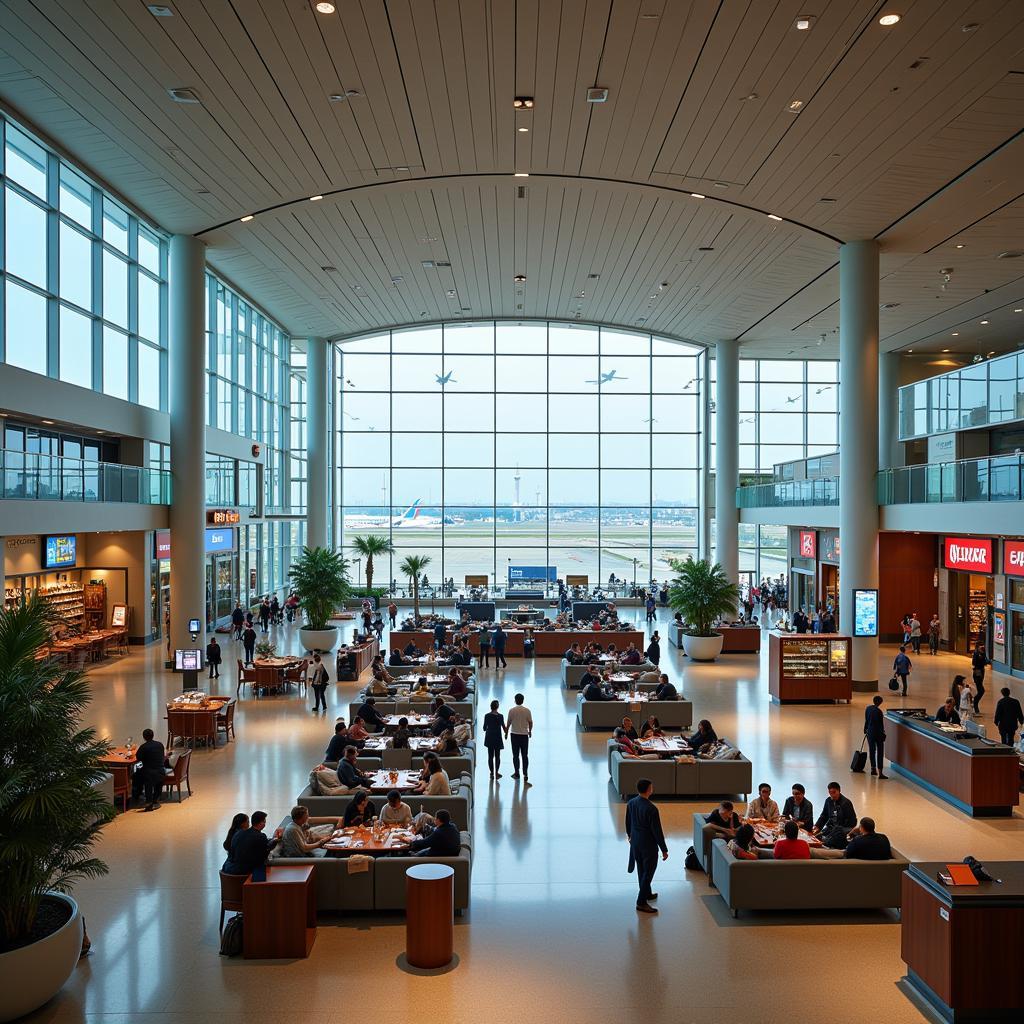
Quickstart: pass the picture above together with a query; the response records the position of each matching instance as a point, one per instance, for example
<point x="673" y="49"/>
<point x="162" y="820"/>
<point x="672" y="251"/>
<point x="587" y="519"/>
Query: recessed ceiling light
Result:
<point x="697" y="195"/>
<point x="522" y="129"/>
<point x="248" y="217"/>
<point x="160" y="11"/>
<point x="521" y="174"/>
<point x="401" y="168"/>
<point x="910" y="351"/>
<point x="520" y="279"/>
<point x="749" y="96"/>
<point x="324" y="8"/>
<point x="772" y="216"/>
<point x="450" y="293"/>
<point x="1010" y="254"/>
<point x="597" y="94"/>
<point x="523" y="103"/>
<point x="827" y="199"/>
<point x="804" y="22"/>
<point x="971" y="26"/>
<point x="984" y="321"/>
<point x="397" y="279"/>
<point x="889" y="19"/>
<point x="595" y="277"/>
<point x="183" y="95"/>
<point x="945" y="350"/>
<point x="794" y="106"/>
<point x="315" y="199"/>
<point x="329" y="270"/>
<point x="720" y="184"/>
<point x="1019" y="311"/>
<point x="956" y="334"/>
<point x="959" y="245"/>
<point x="340" y="97"/>
<point x="49" y="423"/>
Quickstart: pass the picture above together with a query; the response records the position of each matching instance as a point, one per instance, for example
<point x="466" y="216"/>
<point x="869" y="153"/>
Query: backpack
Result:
<point x="231" y="937"/>
<point x="691" y="863"/>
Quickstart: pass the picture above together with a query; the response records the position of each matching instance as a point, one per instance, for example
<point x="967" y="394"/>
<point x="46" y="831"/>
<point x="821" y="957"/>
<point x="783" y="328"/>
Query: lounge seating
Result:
<point x="572" y="674"/>
<point x="838" y="884"/>
<point x="702" y="778"/>
<point x="416" y="670"/>
<point x="463" y="708"/>
<point x="607" y="714"/>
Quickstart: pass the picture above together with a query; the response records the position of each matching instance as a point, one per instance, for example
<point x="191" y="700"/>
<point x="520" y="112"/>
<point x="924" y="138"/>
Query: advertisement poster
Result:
<point x="865" y="613"/>
<point x="61" y="551"/>
<point x="999" y="627"/>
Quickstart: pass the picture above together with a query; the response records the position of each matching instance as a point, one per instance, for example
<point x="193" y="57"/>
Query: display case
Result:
<point x="808" y="667"/>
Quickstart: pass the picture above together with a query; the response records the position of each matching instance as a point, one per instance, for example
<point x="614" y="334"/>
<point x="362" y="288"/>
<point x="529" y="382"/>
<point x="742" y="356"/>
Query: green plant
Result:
<point x="701" y="593"/>
<point x="368" y="547"/>
<point x="265" y="649"/>
<point x="50" y="815"/>
<point x="320" y="581"/>
<point x="413" y="567"/>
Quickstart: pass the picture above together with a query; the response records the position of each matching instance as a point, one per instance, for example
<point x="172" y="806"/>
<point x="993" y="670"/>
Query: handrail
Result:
<point x="34" y="476"/>
<point x="789" y="493"/>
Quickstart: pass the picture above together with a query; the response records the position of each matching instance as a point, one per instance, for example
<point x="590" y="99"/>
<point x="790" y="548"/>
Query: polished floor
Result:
<point x="551" y="933"/>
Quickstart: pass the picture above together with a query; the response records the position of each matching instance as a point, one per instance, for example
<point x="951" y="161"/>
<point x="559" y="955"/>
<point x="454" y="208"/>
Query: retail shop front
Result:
<point x="1009" y="635"/>
<point x="814" y="570"/>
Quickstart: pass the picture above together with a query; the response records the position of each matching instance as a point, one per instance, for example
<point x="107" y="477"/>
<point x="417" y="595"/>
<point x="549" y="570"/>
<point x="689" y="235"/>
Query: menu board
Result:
<point x="865" y="613"/>
<point x="806" y="658"/>
<point x="838" y="659"/>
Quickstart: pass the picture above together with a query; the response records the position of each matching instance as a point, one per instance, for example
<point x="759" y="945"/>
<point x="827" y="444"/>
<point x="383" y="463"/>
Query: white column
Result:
<point x="186" y="353"/>
<point x="888" y="410"/>
<point x="858" y="443"/>
<point x="727" y="456"/>
<point x="317" y="442"/>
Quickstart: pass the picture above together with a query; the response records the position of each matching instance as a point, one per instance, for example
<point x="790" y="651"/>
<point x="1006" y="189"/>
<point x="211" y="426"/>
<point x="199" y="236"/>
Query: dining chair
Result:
<point x="267" y="679"/>
<point x="226" y="721"/>
<point x="245" y="675"/>
<point x="174" y="777"/>
<point x="230" y="895"/>
<point x="122" y="784"/>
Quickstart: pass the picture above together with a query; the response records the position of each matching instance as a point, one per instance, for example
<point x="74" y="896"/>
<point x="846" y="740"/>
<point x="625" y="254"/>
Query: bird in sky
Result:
<point x="607" y="378"/>
<point x="446" y="379"/>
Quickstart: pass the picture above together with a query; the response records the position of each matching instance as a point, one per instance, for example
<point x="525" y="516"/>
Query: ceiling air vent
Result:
<point x="183" y="95"/>
<point x="329" y="270"/>
<point x="1011" y="254"/>
<point x="520" y="192"/>
<point x="442" y="263"/>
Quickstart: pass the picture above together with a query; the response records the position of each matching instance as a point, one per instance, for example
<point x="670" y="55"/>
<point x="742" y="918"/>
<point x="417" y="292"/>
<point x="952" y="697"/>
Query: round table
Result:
<point x="429" y="915"/>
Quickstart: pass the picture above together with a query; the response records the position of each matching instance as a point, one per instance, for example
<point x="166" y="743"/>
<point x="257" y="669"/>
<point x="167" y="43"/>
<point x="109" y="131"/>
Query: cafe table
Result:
<point x="632" y="696"/>
<point x="663" y="745"/>
<point x="193" y="721"/>
<point x="416" y="743"/>
<point x="371" y="842"/>
<point x="766" y="833"/>
<point x="413" y="721"/>
<point x="120" y="762"/>
<point x="385" y="780"/>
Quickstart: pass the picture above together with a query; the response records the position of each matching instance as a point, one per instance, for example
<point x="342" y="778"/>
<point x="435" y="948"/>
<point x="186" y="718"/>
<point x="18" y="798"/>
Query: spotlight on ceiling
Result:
<point x="519" y="279"/>
<point x="324" y="8"/>
<point x="889" y="20"/>
<point x="772" y="216"/>
<point x="804" y="22"/>
<point x="523" y="103"/>
<point x="248" y="217"/>
<point x="794" y="106"/>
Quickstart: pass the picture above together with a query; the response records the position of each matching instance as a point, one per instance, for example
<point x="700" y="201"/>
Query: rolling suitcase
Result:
<point x="860" y="758"/>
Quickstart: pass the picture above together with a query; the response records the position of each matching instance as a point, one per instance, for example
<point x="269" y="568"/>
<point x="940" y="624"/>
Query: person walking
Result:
<point x="978" y="662"/>
<point x="645" y="837"/>
<point x="650" y="606"/>
<point x="902" y="666"/>
<point x="494" y="729"/>
<point x="934" y="629"/>
<point x="238" y="620"/>
<point x="248" y="643"/>
<point x="318" y="680"/>
<point x="653" y="652"/>
<point x="213" y="657"/>
<point x="519" y="729"/>
<point x="498" y="638"/>
<point x="485" y="648"/>
<point x="1008" y="716"/>
<point x="874" y="731"/>
<point x="393" y="614"/>
<point x="915" y="632"/>
<point x="265" y="614"/>
<point x="966" y="703"/>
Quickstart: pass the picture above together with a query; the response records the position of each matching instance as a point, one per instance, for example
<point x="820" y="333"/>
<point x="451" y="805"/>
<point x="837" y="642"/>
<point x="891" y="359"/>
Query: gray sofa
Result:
<point x="456" y="767"/>
<point x="607" y="714"/>
<point x="572" y="674"/>
<point x="417" y="670"/>
<point x="835" y="884"/>
<point x="703" y="778"/>
<point x="382" y="885"/>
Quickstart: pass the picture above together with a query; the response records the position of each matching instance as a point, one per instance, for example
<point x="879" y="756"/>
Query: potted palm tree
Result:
<point x="702" y="594"/>
<point x="413" y="566"/>
<point x="50" y="812"/>
<point x="320" y="581"/>
<point x="368" y="547"/>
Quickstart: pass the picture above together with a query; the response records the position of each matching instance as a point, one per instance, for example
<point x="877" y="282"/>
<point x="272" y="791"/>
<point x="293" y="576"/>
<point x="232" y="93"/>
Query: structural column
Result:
<point x="727" y="456"/>
<point x="186" y="355"/>
<point x="317" y="443"/>
<point x="888" y="410"/>
<point x="858" y="444"/>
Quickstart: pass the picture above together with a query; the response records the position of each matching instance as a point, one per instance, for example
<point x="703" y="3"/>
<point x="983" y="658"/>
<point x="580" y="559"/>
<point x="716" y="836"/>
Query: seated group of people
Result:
<point x="837" y="827"/>
<point x="598" y="685"/>
<point x="446" y="743"/>
<point x="433" y="779"/>
<point x="383" y="683"/>
<point x="626" y="737"/>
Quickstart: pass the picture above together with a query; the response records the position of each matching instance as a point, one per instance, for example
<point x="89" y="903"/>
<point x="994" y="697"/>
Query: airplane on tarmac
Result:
<point x="607" y="378"/>
<point x="412" y="517"/>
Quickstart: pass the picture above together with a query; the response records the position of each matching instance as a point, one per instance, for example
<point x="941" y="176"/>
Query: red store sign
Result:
<point x="1013" y="557"/>
<point x="970" y="554"/>
<point x="808" y="544"/>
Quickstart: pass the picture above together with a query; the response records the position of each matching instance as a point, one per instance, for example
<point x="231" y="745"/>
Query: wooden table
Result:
<point x="963" y="944"/>
<point x="766" y="834"/>
<point x="665" y="745"/>
<point x="414" y="721"/>
<point x="416" y="743"/>
<point x="120" y="762"/>
<point x="404" y="781"/>
<point x="429" y="915"/>
<point x="280" y="913"/>
<point x="191" y="723"/>
<point x="553" y="643"/>
<point x="357" y="839"/>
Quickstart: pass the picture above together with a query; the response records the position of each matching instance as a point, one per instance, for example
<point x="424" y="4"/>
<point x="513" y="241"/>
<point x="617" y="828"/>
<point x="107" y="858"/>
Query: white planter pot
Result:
<point x="703" y="648"/>
<point x="33" y="975"/>
<point x="318" y="639"/>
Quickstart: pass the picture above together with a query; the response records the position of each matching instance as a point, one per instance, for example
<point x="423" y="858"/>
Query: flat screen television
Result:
<point x="188" y="661"/>
<point x="61" y="551"/>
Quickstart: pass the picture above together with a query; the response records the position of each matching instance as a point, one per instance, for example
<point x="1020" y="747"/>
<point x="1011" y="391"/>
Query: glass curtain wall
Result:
<point x="495" y="445"/>
<point x="84" y="282"/>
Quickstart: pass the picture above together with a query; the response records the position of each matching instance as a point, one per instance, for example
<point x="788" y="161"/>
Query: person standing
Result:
<point x="874" y="731"/>
<point x="519" y="729"/>
<point x="393" y="614"/>
<point x="1008" y="716"/>
<point x="494" y="729"/>
<point x="238" y="620"/>
<point x="650" y="606"/>
<point x="265" y="614"/>
<point x="902" y="666"/>
<point x="978" y="662"/>
<point x="485" y="648"/>
<point x="498" y="638"/>
<point x="653" y="652"/>
<point x="645" y="836"/>
<point x="151" y="758"/>
<point x="966" y="703"/>
<point x="213" y="657"/>
<point x="915" y="632"/>
<point x="318" y="680"/>
<point x="249" y="643"/>
<point x="934" y="629"/>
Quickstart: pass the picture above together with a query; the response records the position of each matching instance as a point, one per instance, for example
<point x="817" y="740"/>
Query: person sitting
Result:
<point x="357" y="733"/>
<point x="437" y="782"/>
<point x="299" y="840"/>
<point x="444" y="717"/>
<point x="443" y="841"/>
<point x="790" y="846"/>
<point x="594" y="690"/>
<point x="420" y="690"/>
<point x="763" y="806"/>
<point x="948" y="713"/>
<point x="650" y="728"/>
<point x="400" y="739"/>
<point x="574" y="656"/>
<point x="612" y="654"/>
<point x="378" y="685"/>
<point x="837" y="818"/>
<point x="651" y="677"/>
<point x="446" y="745"/>
<point x="741" y="843"/>
<point x="248" y="847"/>
<point x="798" y="808"/>
<point x="397" y="658"/>
<point x="629" y="749"/>
<point x="457" y="687"/>
<point x="370" y="715"/>
<point x="631" y="656"/>
<point x="665" y="690"/>
<point x="412" y="651"/>
<point x="339" y="741"/>
<point x="396" y="811"/>
<point x="360" y="810"/>
<point x="349" y="774"/>
<point x="724" y="818"/>
<point x="629" y="729"/>
<point x="703" y="735"/>
<point x="864" y="843"/>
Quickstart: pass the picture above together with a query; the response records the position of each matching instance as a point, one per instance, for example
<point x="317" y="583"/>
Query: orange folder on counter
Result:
<point x="961" y="874"/>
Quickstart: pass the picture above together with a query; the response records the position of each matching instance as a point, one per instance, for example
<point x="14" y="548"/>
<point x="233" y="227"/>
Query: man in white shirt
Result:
<point x="519" y="727"/>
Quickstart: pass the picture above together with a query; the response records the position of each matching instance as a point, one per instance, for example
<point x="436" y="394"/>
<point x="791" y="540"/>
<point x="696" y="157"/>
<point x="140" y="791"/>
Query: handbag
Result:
<point x="894" y="683"/>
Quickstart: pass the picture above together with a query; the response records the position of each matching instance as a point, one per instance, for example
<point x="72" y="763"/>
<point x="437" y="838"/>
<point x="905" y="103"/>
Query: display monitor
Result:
<point x="61" y="551"/>
<point x="188" y="661"/>
<point x="865" y="613"/>
<point x="195" y="626"/>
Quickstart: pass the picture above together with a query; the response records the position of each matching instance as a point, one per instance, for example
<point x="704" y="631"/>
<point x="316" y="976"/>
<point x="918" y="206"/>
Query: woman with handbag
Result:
<point x="318" y="680"/>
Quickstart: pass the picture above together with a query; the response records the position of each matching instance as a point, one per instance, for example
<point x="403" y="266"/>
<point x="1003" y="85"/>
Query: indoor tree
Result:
<point x="50" y="814"/>
<point x="413" y="566"/>
<point x="320" y="580"/>
<point x="368" y="547"/>
<point x="701" y="593"/>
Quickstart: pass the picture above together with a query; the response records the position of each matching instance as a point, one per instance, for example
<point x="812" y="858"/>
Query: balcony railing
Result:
<point x="997" y="478"/>
<point x="791" y="494"/>
<point x="33" y="477"/>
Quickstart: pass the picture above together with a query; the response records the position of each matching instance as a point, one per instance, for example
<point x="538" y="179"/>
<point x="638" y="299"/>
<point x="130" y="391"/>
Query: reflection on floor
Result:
<point x="551" y="932"/>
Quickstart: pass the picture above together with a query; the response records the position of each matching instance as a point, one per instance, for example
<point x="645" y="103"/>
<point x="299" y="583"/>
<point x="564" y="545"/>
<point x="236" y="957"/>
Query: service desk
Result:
<point x="805" y="667"/>
<point x="555" y="642"/>
<point x="978" y="776"/>
<point x="424" y="640"/>
<point x="280" y="913"/>
<point x="963" y="945"/>
<point x="739" y="639"/>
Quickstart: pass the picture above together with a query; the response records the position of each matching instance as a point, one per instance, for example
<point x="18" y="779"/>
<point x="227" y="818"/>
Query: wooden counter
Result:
<point x="805" y="667"/>
<point x="554" y="643"/>
<point x="280" y="913"/>
<point x="963" y="945"/>
<point x="739" y="639"/>
<point x="424" y="640"/>
<point x="976" y="776"/>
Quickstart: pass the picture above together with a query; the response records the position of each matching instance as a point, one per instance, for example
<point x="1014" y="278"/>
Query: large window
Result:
<point x="492" y="445"/>
<point x="83" y="281"/>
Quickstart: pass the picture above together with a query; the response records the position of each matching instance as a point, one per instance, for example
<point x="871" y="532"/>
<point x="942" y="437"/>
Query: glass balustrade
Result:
<point x="28" y="475"/>
<point x="789" y="494"/>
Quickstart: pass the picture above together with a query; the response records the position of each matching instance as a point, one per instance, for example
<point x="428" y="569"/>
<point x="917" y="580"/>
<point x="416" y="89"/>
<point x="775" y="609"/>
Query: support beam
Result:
<point x="727" y="456"/>
<point x="317" y="443"/>
<point x="888" y="410"/>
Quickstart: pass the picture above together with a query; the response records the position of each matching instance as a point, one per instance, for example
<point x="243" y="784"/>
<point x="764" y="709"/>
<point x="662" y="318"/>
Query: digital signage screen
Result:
<point x="865" y="613"/>
<point x="532" y="573"/>
<point x="61" y="551"/>
<point x="188" y="661"/>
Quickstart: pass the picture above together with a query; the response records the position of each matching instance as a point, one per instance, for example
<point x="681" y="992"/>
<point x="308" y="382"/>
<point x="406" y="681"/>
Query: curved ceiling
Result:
<point x="910" y="134"/>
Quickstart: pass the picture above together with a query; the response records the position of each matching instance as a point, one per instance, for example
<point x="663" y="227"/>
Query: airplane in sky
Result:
<point x="607" y="378"/>
<point x="412" y="517"/>
<point x="446" y="379"/>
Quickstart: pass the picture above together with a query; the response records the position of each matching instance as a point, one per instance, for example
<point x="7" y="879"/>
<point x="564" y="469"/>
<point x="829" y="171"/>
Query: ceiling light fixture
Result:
<point x="1019" y="311"/>
<point x="183" y="95"/>
<point x="340" y="97"/>
<point x="971" y="26"/>
<point x="945" y="350"/>
<point x="49" y="423"/>
<point x="804" y="22"/>
<point x="794" y="106"/>
<point x="888" y="20"/>
<point x="159" y="11"/>
<point x="720" y="184"/>
<point x="749" y="96"/>
<point x="597" y="94"/>
<point x="910" y="351"/>
<point x="522" y="129"/>
<point x="324" y="8"/>
<point x="521" y="174"/>
<point x="772" y="216"/>
<point x="248" y="217"/>
<point x="315" y="199"/>
<point x="1010" y="254"/>
<point x="523" y="103"/>
<point x="956" y="334"/>
<point x="959" y="245"/>
<point x="697" y="195"/>
<point x="519" y="279"/>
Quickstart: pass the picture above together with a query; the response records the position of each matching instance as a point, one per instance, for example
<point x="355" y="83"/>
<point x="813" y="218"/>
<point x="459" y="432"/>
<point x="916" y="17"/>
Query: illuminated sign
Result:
<point x="865" y="613"/>
<point x="222" y="517"/>
<point x="61" y="551"/>
<point x="1013" y="557"/>
<point x="970" y="554"/>
<point x="808" y="544"/>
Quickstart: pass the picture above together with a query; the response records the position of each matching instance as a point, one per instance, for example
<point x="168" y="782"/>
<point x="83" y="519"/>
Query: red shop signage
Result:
<point x="972" y="554"/>
<point x="163" y="544"/>
<point x="808" y="544"/>
<point x="1013" y="557"/>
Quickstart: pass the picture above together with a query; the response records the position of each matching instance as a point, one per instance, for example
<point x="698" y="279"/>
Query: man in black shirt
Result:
<point x="836" y="819"/>
<point x="339" y="741"/>
<point x="665" y="690"/>
<point x="948" y="712"/>
<point x="397" y="658"/>
<point x="213" y="657"/>
<point x="645" y="835"/>
<point x="238" y="621"/>
<point x="1008" y="716"/>
<point x="595" y="691"/>
<point x="151" y="758"/>
<point x="592" y="675"/>
<point x="250" y="847"/>
<point x="867" y="844"/>
<point x="369" y="714"/>
<point x="444" y="841"/>
<point x="798" y="808"/>
<point x="349" y="773"/>
<point x="411" y="650"/>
